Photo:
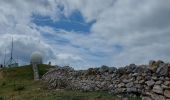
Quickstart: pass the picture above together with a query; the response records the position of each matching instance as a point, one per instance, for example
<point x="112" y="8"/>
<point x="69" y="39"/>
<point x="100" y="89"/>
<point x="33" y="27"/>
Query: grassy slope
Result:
<point x="17" y="84"/>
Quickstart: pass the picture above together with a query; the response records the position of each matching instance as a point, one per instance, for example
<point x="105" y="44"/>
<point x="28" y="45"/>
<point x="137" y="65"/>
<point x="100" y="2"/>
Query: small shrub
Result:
<point x="1" y="98"/>
<point x="3" y="84"/>
<point x="19" y="87"/>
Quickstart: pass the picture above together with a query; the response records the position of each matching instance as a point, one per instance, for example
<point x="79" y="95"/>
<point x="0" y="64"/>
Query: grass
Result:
<point x="17" y="84"/>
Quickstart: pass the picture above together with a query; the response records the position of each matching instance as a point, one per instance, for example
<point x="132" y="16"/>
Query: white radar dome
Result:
<point x="36" y="58"/>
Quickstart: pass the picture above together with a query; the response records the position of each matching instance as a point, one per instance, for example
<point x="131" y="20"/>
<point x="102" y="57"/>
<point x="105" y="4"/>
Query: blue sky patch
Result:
<point x="75" y="22"/>
<point x="118" y="47"/>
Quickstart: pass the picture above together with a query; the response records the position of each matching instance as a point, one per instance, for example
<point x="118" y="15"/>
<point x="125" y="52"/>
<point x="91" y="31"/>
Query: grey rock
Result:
<point x="112" y="69"/>
<point x="157" y="97"/>
<point x="133" y="89"/>
<point x="104" y="68"/>
<point x="167" y="83"/>
<point x="128" y="85"/>
<point x="167" y="78"/>
<point x="67" y="68"/>
<point x="120" y="71"/>
<point x="157" y="89"/>
<point x="150" y="83"/>
<point x="146" y="87"/>
<point x="158" y="82"/>
<point x="135" y="74"/>
<point x="136" y="82"/>
<point x="86" y="88"/>
<point x="111" y="87"/>
<point x="126" y="81"/>
<point x="162" y="70"/>
<point x="130" y="68"/>
<point x="141" y="69"/>
<point x="164" y="86"/>
<point x="152" y="65"/>
<point x="97" y="89"/>
<point x="162" y="78"/>
<point x="121" y="85"/>
<point x="141" y="81"/>
<point x="154" y="78"/>
<point x="146" y="98"/>
<point x="119" y="90"/>
<point x="125" y="98"/>
<point x="139" y="78"/>
<point x="151" y="62"/>
<point x="167" y="93"/>
<point x="139" y="86"/>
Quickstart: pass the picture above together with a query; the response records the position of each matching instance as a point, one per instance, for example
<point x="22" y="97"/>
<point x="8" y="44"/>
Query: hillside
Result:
<point x="17" y="84"/>
<point x="15" y="81"/>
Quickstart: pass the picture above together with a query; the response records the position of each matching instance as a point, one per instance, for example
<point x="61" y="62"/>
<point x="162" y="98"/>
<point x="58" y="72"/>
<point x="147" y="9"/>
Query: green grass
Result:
<point x="23" y="72"/>
<point x="17" y="84"/>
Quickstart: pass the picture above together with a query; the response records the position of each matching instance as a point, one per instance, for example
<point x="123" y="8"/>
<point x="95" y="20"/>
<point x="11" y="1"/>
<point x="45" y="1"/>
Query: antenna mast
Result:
<point x="5" y="59"/>
<point x="12" y="50"/>
<point x="12" y="61"/>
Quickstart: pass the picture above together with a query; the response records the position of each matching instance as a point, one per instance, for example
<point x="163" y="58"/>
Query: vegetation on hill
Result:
<point x="17" y="84"/>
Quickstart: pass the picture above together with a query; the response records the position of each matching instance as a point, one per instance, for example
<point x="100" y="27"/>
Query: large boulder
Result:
<point x="153" y="65"/>
<point x="162" y="70"/>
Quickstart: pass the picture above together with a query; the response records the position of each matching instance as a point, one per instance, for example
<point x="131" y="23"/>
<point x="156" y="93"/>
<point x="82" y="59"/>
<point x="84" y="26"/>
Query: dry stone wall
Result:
<point x="151" y="82"/>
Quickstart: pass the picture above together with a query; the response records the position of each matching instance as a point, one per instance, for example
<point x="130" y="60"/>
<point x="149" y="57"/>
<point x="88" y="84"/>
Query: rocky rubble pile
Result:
<point x="149" y="81"/>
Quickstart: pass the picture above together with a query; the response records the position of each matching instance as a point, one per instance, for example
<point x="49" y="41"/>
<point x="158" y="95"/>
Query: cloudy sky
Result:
<point x="86" y="33"/>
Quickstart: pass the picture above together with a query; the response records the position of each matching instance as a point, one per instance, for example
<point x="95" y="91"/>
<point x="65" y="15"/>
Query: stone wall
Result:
<point x="150" y="81"/>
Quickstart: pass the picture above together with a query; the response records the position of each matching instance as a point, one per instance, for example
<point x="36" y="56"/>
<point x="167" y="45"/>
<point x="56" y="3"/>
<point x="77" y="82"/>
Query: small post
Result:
<point x="35" y="72"/>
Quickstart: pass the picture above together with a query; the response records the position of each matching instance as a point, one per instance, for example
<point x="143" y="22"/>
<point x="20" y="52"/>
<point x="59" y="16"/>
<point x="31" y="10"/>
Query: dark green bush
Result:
<point x="1" y="98"/>
<point x="3" y="84"/>
<point x="19" y="87"/>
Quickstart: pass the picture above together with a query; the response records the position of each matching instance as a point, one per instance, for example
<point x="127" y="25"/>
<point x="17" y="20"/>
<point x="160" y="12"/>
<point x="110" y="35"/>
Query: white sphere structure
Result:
<point x="36" y="58"/>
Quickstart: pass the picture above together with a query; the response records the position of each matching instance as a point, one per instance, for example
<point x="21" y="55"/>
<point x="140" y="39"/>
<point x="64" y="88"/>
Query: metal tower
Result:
<point x="11" y="62"/>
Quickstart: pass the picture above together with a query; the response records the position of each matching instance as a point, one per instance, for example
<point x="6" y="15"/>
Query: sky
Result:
<point x="86" y="33"/>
